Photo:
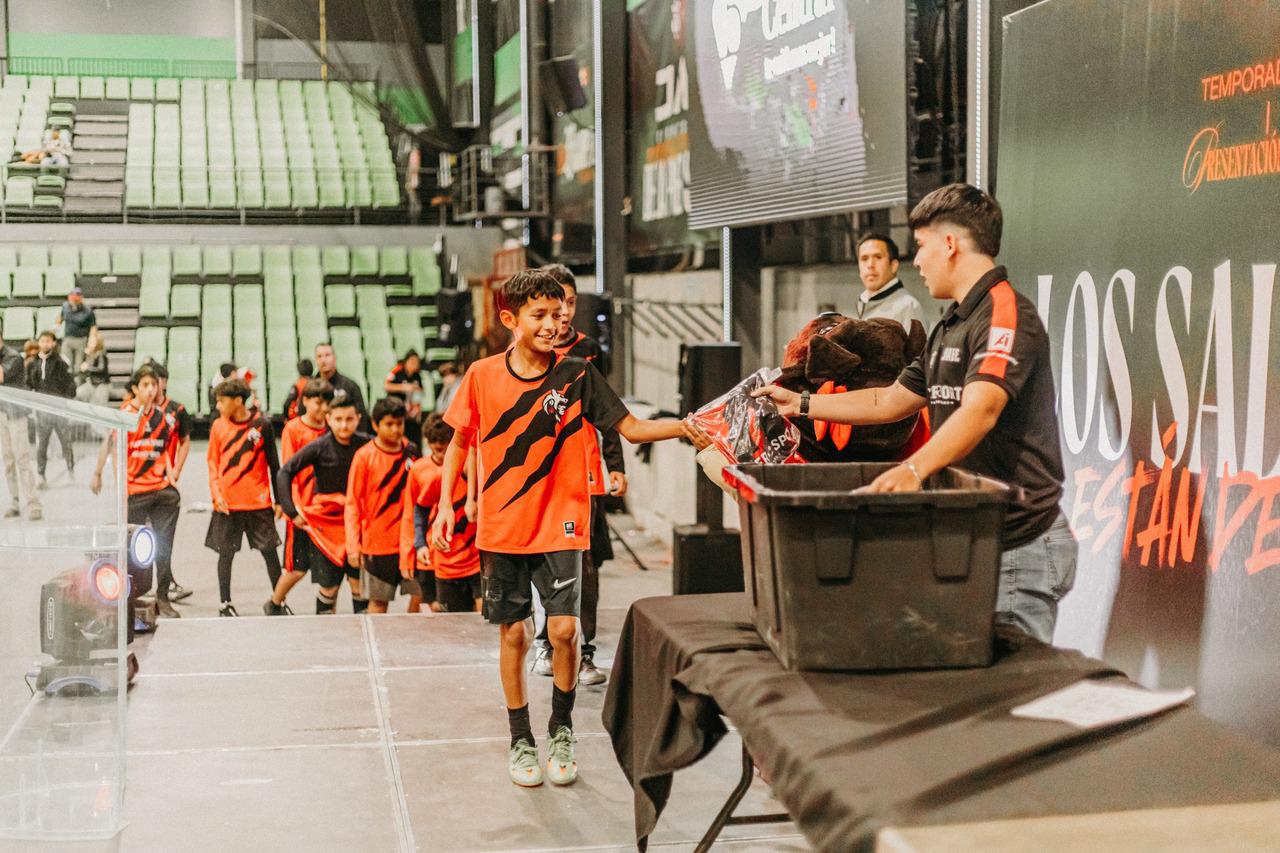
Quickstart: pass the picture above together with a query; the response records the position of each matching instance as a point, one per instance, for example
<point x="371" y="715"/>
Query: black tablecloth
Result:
<point x="849" y="753"/>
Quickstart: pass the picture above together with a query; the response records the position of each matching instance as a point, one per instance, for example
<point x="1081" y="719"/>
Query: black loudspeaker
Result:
<point x="561" y="88"/>
<point x="456" y="317"/>
<point x="705" y="560"/>
<point x="706" y="372"/>
<point x="594" y="318"/>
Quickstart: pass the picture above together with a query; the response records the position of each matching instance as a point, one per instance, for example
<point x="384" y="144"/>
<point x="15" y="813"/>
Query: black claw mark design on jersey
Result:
<point x="246" y="446"/>
<point x="155" y="425"/>
<point x="393" y="498"/>
<point x="570" y="428"/>
<point x="542" y="425"/>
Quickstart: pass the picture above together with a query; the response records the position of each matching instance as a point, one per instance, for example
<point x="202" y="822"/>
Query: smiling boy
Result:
<point x="529" y="412"/>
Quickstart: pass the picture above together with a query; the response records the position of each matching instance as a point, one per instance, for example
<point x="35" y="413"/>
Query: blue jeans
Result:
<point x="1034" y="578"/>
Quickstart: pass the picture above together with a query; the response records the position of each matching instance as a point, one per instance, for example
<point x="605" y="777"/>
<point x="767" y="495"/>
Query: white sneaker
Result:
<point x="522" y="764"/>
<point x="562" y="766"/>
<point x="541" y="660"/>
<point x="589" y="674"/>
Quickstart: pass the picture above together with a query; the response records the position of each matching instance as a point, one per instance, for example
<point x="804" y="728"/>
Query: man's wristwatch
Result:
<point x="804" y="404"/>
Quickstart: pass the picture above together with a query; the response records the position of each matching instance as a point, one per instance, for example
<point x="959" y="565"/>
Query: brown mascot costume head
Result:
<point x="833" y="354"/>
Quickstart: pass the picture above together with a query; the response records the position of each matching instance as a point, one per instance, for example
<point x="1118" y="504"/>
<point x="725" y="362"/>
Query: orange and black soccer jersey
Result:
<point x="462" y="559"/>
<point x="375" y="493"/>
<point x="532" y="461"/>
<point x="148" y="450"/>
<point x="295" y="436"/>
<point x="180" y="425"/>
<point x="242" y="462"/>
<point x="580" y="346"/>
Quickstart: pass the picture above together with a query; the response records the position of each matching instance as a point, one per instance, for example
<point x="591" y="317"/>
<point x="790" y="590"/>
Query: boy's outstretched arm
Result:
<point x="639" y="430"/>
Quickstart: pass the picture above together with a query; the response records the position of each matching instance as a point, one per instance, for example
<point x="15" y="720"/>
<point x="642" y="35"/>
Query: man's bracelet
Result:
<point x="912" y="468"/>
<point x="804" y="404"/>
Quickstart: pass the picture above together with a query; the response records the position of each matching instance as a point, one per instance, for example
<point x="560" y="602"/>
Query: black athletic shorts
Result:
<point x="382" y="579"/>
<point x="307" y="557"/>
<point x="227" y="530"/>
<point x="509" y="580"/>
<point x="426" y="584"/>
<point x="458" y="595"/>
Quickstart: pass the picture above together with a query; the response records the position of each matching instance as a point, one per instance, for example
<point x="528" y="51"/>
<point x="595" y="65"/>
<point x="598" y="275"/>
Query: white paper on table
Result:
<point x="1091" y="704"/>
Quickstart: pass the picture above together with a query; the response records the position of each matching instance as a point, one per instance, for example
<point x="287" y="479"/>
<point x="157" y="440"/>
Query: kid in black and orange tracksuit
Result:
<point x="242" y="466"/>
<point x="375" y="495"/>
<point x="300" y="431"/>
<point x="150" y="481"/>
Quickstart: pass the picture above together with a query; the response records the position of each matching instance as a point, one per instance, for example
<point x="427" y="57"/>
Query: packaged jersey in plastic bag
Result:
<point x="746" y="428"/>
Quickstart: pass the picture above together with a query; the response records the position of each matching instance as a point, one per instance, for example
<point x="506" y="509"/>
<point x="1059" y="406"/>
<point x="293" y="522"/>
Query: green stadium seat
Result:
<point x="150" y="342"/>
<point x="93" y="88"/>
<point x="153" y="295"/>
<point x="186" y="260"/>
<point x="222" y="194"/>
<point x="15" y="82"/>
<point x="364" y="260"/>
<point x="394" y="261"/>
<point x="156" y="257"/>
<point x="167" y="89"/>
<point x="19" y="324"/>
<point x="184" y="300"/>
<point x="329" y="188"/>
<point x="95" y="260"/>
<point x="246" y="260"/>
<point x="8" y="257"/>
<point x="304" y="258"/>
<point x="33" y="255"/>
<point x="336" y="260"/>
<point x="195" y="195"/>
<point x="138" y="194"/>
<point x="19" y="192"/>
<point x="406" y="328"/>
<point x="65" y="256"/>
<point x="275" y="193"/>
<point x="126" y="260"/>
<point x="28" y="283"/>
<point x="350" y="353"/>
<point x="425" y="271"/>
<point x="117" y="88"/>
<point x="47" y="318"/>
<point x="66" y="87"/>
<point x="184" y="368"/>
<point x="143" y="89"/>
<point x="58" y="281"/>
<point x="248" y="329"/>
<point x="167" y="193"/>
<point x="65" y="110"/>
<point x="340" y="300"/>
<point x="217" y="262"/>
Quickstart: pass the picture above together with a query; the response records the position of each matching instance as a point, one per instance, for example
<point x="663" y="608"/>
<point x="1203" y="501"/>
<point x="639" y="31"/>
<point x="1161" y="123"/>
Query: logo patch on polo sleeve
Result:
<point x="1000" y="340"/>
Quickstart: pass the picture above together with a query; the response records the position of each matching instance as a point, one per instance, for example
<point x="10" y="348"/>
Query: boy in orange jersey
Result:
<point x="375" y="494"/>
<point x="604" y="454"/>
<point x="453" y="575"/>
<point x="152" y="486"/>
<point x="528" y="411"/>
<point x="242" y="465"/>
<point x="297" y="433"/>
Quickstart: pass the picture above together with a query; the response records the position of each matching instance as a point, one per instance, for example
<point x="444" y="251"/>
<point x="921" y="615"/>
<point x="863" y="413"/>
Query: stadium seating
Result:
<point x="217" y="145"/>
<point x="258" y="306"/>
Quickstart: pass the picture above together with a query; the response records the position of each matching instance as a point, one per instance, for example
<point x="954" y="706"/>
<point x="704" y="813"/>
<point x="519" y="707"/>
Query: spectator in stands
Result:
<point x="228" y="370"/>
<point x="94" y="375"/>
<point x="29" y="351"/>
<point x="78" y="321"/>
<point x="404" y="382"/>
<point x="306" y="370"/>
<point x="343" y="388"/>
<point x="49" y="374"/>
<point x="57" y="148"/>
<point x="14" y="441"/>
<point x="450" y="377"/>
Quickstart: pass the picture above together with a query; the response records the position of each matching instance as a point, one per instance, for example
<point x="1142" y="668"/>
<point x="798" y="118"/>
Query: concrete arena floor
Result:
<point x="370" y="734"/>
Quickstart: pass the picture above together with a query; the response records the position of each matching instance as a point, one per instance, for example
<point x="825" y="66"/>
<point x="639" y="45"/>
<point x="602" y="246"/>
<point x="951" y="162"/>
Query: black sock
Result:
<point x="518" y="719"/>
<point x="273" y="566"/>
<point x="325" y="603"/>
<point x="224" y="574"/>
<point x="359" y="605"/>
<point x="561" y="708"/>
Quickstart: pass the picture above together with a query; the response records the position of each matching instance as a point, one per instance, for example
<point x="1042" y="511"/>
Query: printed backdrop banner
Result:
<point x="1139" y="173"/>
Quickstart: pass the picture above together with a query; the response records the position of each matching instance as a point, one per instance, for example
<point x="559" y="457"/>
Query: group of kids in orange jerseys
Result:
<point x="495" y="516"/>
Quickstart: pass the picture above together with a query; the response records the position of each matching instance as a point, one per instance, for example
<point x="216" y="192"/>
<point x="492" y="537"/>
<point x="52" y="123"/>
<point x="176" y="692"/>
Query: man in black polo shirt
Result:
<point x="986" y="378"/>
<point x="326" y="366"/>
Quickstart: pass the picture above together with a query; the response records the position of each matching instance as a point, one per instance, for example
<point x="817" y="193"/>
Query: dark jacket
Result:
<point x="51" y="376"/>
<point x="15" y="376"/>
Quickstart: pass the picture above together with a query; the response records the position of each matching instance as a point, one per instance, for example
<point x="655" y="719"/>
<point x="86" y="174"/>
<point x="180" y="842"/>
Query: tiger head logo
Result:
<point x="554" y="404"/>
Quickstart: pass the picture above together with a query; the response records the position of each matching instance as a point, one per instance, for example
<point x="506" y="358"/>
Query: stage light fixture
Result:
<point x="142" y="547"/>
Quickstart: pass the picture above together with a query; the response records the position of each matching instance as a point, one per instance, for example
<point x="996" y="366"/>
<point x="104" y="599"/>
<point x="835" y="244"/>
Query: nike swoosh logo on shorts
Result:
<point x="562" y="584"/>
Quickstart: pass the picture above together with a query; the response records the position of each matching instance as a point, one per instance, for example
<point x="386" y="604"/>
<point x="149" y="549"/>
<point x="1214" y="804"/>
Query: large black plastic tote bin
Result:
<point x="845" y="581"/>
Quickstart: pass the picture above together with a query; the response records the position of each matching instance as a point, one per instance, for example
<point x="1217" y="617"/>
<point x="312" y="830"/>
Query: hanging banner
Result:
<point x="1139" y="170"/>
<point x="660" y="105"/>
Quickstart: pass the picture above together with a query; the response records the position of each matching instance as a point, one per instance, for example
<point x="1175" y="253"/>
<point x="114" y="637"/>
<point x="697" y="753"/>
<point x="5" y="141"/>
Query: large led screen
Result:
<point x="803" y="109"/>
